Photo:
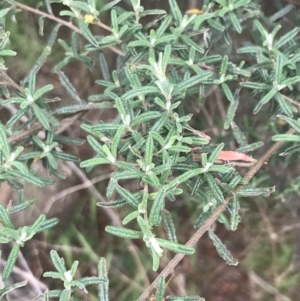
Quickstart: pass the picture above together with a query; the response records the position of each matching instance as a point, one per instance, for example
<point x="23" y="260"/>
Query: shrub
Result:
<point x="163" y="67"/>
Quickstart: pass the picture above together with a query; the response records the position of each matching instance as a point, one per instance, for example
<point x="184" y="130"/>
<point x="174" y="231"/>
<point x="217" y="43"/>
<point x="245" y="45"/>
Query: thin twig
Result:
<point x="48" y="16"/>
<point x="209" y="119"/>
<point x="13" y="110"/>
<point x="194" y="4"/>
<point x="66" y="123"/>
<point x="220" y="105"/>
<point x="69" y="190"/>
<point x="100" y="24"/>
<point x="288" y="228"/>
<point x="206" y="67"/>
<point x="288" y="271"/>
<point x="63" y="248"/>
<point x="272" y="236"/>
<point x="123" y="277"/>
<point x="267" y="286"/>
<point x="30" y="278"/>
<point x="10" y="81"/>
<point x="209" y="222"/>
<point x="65" y="23"/>
<point x="25" y="134"/>
<point x="24" y="265"/>
<point x="292" y="101"/>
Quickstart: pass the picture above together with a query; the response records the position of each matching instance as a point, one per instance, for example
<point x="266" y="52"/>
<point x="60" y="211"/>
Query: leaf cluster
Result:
<point x="161" y="66"/>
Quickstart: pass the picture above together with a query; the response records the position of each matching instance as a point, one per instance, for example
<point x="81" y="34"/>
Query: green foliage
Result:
<point x="161" y="67"/>
<point x="67" y="276"/>
<point x="8" y="233"/>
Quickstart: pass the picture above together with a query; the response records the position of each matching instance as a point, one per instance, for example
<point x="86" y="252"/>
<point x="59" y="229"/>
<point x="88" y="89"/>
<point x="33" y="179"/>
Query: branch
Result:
<point x="292" y="101"/>
<point x="209" y="222"/>
<point x="10" y="81"/>
<point x="66" y="23"/>
<point x="66" y="123"/>
<point x="48" y="16"/>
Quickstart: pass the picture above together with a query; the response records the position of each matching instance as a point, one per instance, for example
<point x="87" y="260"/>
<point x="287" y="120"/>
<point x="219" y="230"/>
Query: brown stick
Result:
<point x="209" y="222"/>
<point x="10" y="81"/>
<point x="48" y="16"/>
<point x="65" y="23"/>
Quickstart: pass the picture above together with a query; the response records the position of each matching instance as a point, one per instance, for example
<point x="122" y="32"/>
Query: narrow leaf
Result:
<point x="231" y="113"/>
<point x="185" y="176"/>
<point x="214" y="187"/>
<point x="103" y="286"/>
<point x="176" y="247"/>
<point x="123" y="232"/>
<point x="168" y="225"/>
<point x="4" y="218"/>
<point x="10" y="263"/>
<point x="87" y="33"/>
<point x="192" y="81"/>
<point x="234" y="218"/>
<point x="286" y="138"/>
<point x="144" y="117"/>
<point x="127" y="195"/>
<point x="68" y="86"/>
<point x="157" y="206"/>
<point x="160" y="292"/>
<point x="284" y="105"/>
<point x="221" y="249"/>
<point x="58" y="262"/>
<point x="140" y="92"/>
<point x="215" y="153"/>
<point x="250" y="192"/>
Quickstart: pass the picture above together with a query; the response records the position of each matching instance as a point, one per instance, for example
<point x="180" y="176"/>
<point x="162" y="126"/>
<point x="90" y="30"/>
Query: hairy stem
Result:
<point x="66" y="23"/>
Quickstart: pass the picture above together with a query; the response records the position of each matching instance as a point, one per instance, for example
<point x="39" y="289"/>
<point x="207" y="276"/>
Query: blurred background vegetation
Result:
<point x="267" y="242"/>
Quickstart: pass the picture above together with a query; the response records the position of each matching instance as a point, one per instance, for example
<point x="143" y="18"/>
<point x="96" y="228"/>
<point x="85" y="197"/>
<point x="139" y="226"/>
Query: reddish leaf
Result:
<point x="234" y="156"/>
